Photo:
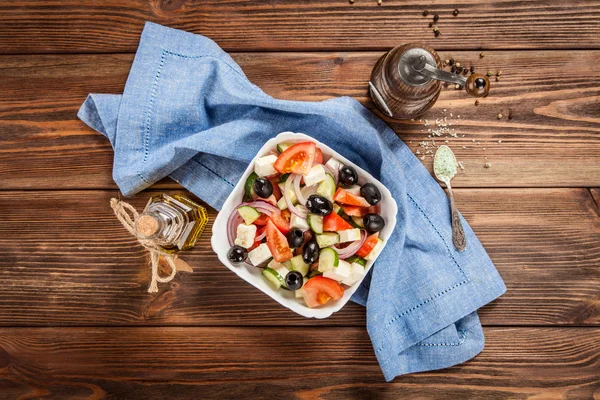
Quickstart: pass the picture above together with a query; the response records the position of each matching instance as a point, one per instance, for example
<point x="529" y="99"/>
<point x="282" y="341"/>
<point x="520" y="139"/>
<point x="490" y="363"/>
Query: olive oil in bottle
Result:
<point x="172" y="222"/>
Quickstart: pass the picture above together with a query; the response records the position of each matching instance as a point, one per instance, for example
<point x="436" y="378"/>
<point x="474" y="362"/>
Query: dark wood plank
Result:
<point x="596" y="195"/>
<point x="301" y="363"/>
<point x="553" y="138"/>
<point x="68" y="261"/>
<point x="71" y="26"/>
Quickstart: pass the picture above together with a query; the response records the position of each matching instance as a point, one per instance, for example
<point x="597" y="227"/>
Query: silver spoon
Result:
<point x="444" y="167"/>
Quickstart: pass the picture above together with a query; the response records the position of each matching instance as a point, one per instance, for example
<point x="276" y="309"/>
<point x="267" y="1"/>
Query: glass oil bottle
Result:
<point x="172" y="222"/>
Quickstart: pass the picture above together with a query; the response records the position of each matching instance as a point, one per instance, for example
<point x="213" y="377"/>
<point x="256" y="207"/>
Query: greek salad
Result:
<point x="307" y="223"/>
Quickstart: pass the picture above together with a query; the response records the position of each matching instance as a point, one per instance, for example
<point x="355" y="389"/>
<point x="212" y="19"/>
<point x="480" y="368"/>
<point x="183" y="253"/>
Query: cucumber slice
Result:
<point x="249" y="187"/>
<point x="376" y="250"/>
<point x="291" y="194"/>
<point x="283" y="178"/>
<point x="281" y="147"/>
<point x="249" y="214"/>
<point x="327" y="187"/>
<point x="328" y="259"/>
<point x="282" y="204"/>
<point x="314" y="273"/>
<point x="357" y="222"/>
<point x="358" y="260"/>
<point x="298" y="264"/>
<point x="273" y="277"/>
<point x="337" y="208"/>
<point x="315" y="223"/>
<point x="328" y="239"/>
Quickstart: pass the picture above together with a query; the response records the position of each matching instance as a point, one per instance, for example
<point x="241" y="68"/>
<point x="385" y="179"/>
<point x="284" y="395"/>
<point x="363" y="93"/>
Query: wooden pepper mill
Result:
<point x="407" y="80"/>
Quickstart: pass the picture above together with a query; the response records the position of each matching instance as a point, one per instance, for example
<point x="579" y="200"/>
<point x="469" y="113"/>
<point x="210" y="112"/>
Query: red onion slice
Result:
<point x="299" y="211"/>
<point x="232" y="223"/>
<point x="299" y="196"/>
<point x="261" y="206"/>
<point x="261" y="236"/>
<point x="353" y="247"/>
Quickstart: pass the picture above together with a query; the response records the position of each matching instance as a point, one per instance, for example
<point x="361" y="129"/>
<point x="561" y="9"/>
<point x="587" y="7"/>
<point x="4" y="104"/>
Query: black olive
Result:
<point x="348" y="176"/>
<point x="370" y="193"/>
<point x="294" y="280"/>
<point x="373" y="223"/>
<point x="237" y="254"/>
<point x="263" y="188"/>
<point x="295" y="238"/>
<point x="310" y="252"/>
<point x="319" y="205"/>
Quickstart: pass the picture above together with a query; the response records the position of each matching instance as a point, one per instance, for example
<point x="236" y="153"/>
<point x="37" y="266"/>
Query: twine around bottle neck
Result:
<point x="128" y="216"/>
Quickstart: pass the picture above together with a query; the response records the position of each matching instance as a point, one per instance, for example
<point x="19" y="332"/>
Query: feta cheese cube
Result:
<point x="260" y="254"/>
<point x="264" y="165"/>
<point x="339" y="273"/>
<point x="245" y="235"/>
<point x="315" y="175"/>
<point x="334" y="164"/>
<point x="349" y="235"/>
<point x="357" y="272"/>
<point x="297" y="222"/>
<point x="376" y="250"/>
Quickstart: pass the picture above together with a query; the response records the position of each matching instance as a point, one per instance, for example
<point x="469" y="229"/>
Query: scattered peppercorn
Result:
<point x="489" y="73"/>
<point x="457" y="64"/>
<point x="447" y="61"/>
<point x="425" y="13"/>
<point x="499" y="115"/>
<point x="476" y="102"/>
<point x="451" y="61"/>
<point x="435" y="18"/>
<point x="436" y="31"/>
<point x="482" y="54"/>
<point x="497" y="78"/>
<point x="510" y="114"/>
<point x="498" y="73"/>
<point x="453" y="69"/>
<point x="351" y="1"/>
<point x="457" y="86"/>
<point x="465" y="71"/>
<point x="487" y="165"/>
<point x="379" y="2"/>
<point x="472" y="69"/>
<point x="455" y="12"/>
<point x="459" y="69"/>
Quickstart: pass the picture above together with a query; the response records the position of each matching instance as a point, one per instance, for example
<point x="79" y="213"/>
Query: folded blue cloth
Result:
<point x="189" y="112"/>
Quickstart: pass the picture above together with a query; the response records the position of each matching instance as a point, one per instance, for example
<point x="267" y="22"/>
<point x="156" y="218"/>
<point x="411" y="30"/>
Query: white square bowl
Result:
<point x="252" y="275"/>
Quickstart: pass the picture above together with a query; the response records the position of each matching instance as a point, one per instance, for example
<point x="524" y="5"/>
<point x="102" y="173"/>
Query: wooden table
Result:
<point x="75" y="318"/>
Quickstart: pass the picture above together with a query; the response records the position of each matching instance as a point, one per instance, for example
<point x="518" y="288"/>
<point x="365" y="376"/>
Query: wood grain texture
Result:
<point x="553" y="138"/>
<point x="70" y="26"/>
<point x="68" y="261"/>
<point x="596" y="195"/>
<point x="295" y="363"/>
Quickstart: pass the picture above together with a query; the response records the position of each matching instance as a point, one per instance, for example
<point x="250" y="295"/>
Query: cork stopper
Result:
<point x="147" y="225"/>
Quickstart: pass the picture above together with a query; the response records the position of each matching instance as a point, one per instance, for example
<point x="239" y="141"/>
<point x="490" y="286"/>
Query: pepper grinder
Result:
<point x="407" y="80"/>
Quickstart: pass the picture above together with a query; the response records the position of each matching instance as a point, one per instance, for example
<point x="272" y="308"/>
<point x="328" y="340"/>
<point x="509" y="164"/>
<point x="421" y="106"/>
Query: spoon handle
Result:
<point x="458" y="234"/>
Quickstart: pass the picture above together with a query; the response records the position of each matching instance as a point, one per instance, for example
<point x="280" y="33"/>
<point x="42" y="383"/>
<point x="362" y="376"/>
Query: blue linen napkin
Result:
<point x="189" y="112"/>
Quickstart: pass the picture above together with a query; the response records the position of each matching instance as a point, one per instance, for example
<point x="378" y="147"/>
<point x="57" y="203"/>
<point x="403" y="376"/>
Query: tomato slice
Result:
<point x="297" y="159"/>
<point x="333" y="223"/>
<point x="276" y="190"/>
<point x="278" y="243"/>
<point x="318" y="156"/>
<point x="262" y="220"/>
<point x="368" y="245"/>
<point x="355" y="211"/>
<point x="344" y="197"/>
<point x="280" y="221"/>
<point x="319" y="290"/>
